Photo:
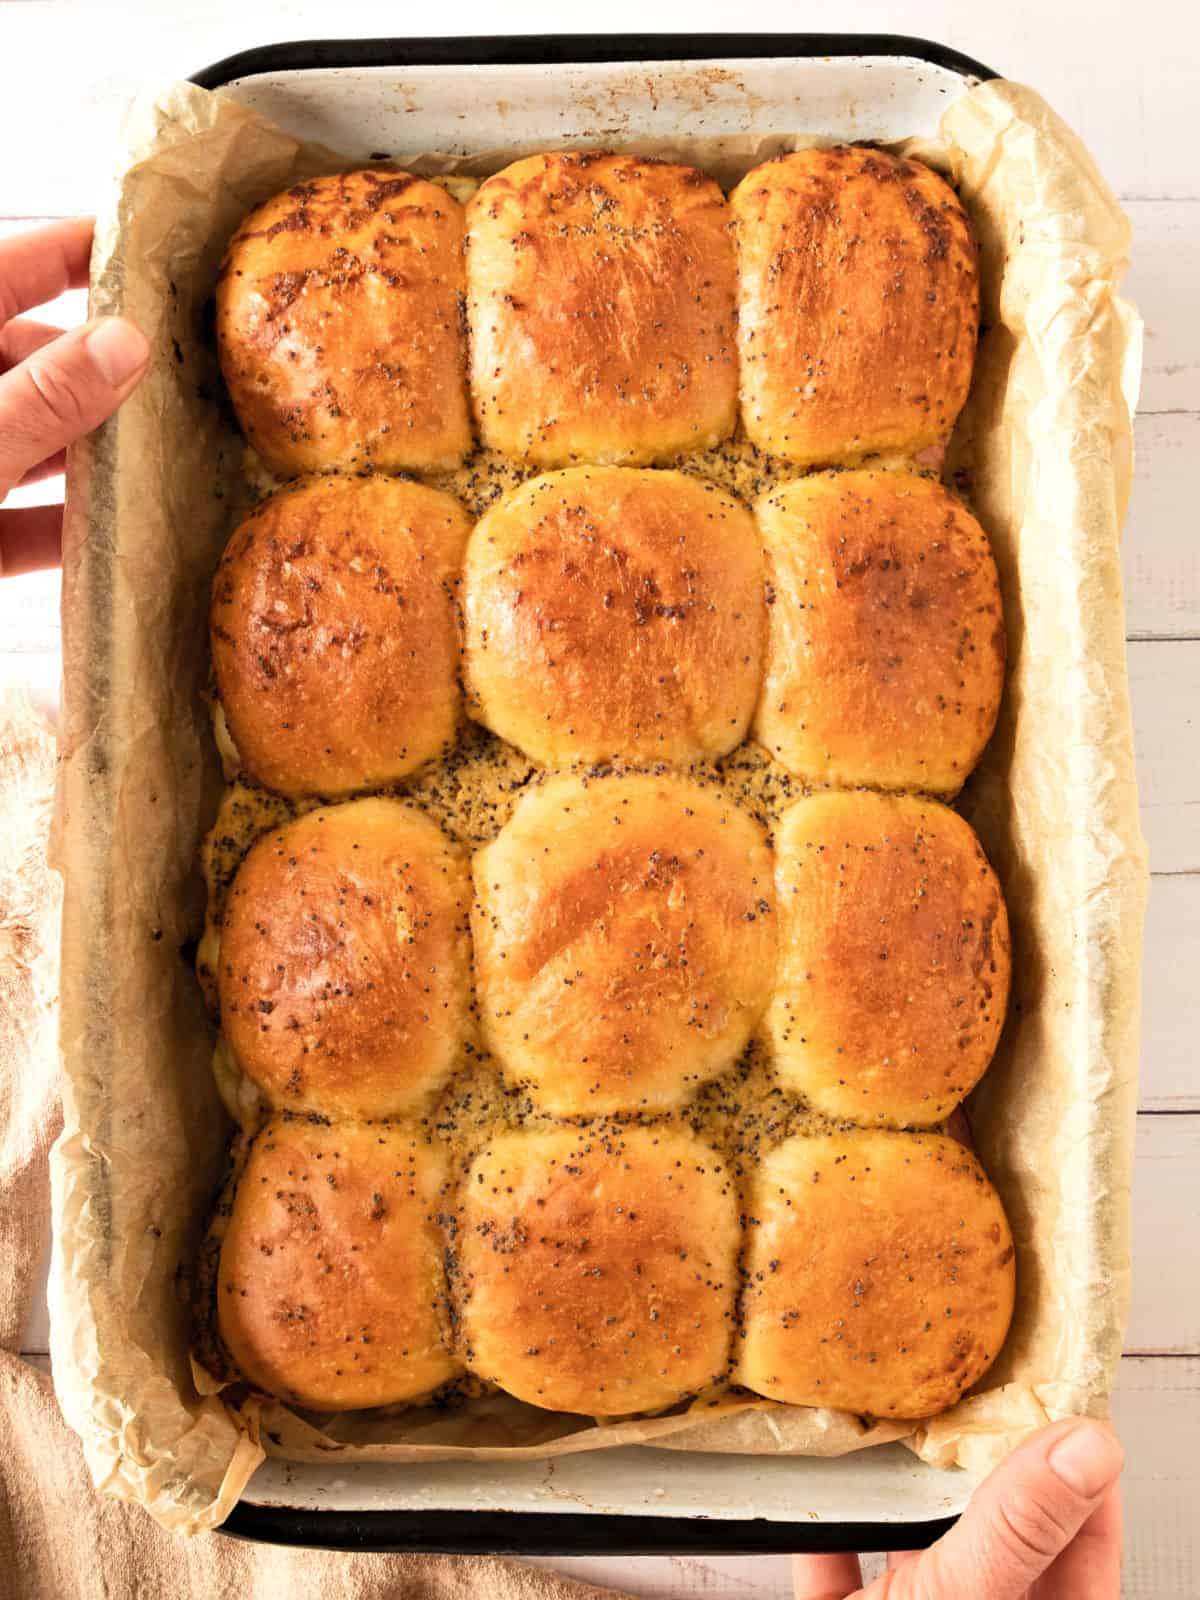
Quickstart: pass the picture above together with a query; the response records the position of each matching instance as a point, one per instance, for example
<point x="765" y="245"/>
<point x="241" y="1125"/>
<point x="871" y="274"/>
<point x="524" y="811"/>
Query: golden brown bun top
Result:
<point x="624" y="940"/>
<point x="886" y="648"/>
<point x="343" y="967"/>
<point x="333" y="633"/>
<point x="894" y="958"/>
<point x="598" y="1267"/>
<point x="858" y="304"/>
<point x="330" y="1290"/>
<point x="615" y="613"/>
<point x="601" y="304"/>
<point x="338" y="325"/>
<point x="880" y="1274"/>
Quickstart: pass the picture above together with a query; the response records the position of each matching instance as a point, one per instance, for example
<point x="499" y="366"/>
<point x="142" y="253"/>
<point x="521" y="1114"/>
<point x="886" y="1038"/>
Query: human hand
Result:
<point x="54" y="386"/>
<point x="1046" y="1525"/>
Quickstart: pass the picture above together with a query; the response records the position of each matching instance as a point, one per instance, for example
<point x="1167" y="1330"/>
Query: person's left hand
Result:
<point x="54" y="386"/>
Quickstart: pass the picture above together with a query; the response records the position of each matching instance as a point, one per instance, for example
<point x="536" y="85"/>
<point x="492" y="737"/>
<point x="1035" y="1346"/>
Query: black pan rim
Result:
<point x="307" y="55"/>
<point x="517" y="1533"/>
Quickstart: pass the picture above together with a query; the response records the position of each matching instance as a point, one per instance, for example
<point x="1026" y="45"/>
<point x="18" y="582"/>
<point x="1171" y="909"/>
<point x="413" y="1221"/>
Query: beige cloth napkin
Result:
<point x="59" y="1540"/>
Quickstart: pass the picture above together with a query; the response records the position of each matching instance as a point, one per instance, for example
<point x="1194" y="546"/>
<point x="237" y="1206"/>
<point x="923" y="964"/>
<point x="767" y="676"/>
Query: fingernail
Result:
<point x="1087" y="1460"/>
<point x="117" y="349"/>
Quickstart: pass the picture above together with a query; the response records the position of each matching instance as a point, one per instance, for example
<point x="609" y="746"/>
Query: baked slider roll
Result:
<point x="597" y="1268"/>
<point x="330" y="1291"/>
<point x="879" y="1274"/>
<point x="334" y="637"/>
<point x="343" y="971"/>
<point x="618" y="613"/>
<point x="624" y="935"/>
<point x="339" y="325"/>
<point x="858" y="305"/>
<point x="600" y="297"/>
<point x="885" y="643"/>
<point x="894" y="958"/>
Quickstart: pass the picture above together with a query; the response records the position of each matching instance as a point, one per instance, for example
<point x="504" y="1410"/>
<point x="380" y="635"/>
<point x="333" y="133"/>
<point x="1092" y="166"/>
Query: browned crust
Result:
<point x="885" y="644"/>
<point x="624" y="940"/>
<point x="334" y="639"/>
<point x="879" y="1274"/>
<point x="615" y="613"/>
<point x="601" y="308"/>
<point x="343" y="968"/>
<point x="894" y="958"/>
<point x="858" y="304"/>
<point x="339" y="325"/>
<point x="330" y="1291"/>
<point x="597" y="1267"/>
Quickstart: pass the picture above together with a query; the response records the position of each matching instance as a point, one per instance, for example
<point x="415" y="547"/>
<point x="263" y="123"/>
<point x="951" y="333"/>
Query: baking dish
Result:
<point x="1045" y="460"/>
<point x="371" y="98"/>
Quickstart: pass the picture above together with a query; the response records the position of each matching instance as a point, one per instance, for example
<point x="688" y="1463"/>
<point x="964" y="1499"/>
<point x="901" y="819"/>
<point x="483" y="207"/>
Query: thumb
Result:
<point x="64" y="390"/>
<point x="1020" y="1519"/>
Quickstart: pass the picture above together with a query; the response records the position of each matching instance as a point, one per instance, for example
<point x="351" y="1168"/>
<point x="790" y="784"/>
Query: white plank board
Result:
<point x="1165" y="268"/>
<point x="1170" y="1070"/>
<point x="1157" y="1412"/>
<point x="1161" y="551"/>
<point x="1165" y="1314"/>
<point x="1164" y="681"/>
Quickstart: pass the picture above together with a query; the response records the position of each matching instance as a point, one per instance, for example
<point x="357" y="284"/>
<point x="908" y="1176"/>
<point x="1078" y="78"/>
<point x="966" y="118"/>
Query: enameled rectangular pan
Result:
<point x="374" y="98"/>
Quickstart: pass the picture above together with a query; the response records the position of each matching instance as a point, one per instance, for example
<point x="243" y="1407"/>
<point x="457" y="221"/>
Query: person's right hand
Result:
<point x="54" y="386"/>
<point x="1046" y="1525"/>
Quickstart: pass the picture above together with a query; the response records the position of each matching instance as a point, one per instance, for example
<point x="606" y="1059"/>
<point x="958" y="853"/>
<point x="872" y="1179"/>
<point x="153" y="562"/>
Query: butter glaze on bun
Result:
<point x="339" y="325"/>
<point x="330" y="1291"/>
<point x="624" y="940"/>
<point x="879" y="1274"/>
<point x="334" y="639"/>
<point x="886" y="645"/>
<point x="344" y="961"/>
<point x="600" y="296"/>
<point x="894" y="958"/>
<point x="597" y="1267"/>
<point x="858" y="305"/>
<point x="613" y="613"/>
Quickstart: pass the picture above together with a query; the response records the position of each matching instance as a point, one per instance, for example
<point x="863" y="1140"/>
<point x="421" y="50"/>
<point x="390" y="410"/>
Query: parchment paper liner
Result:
<point x="1044" y="452"/>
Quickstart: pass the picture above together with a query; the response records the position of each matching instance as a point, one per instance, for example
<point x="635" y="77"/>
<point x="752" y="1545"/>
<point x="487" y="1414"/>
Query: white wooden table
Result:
<point x="1127" y="77"/>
